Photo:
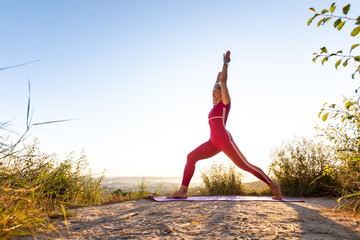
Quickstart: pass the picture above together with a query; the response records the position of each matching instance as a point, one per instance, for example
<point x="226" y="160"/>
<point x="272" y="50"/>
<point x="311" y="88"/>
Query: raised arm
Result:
<point x="223" y="79"/>
<point x="218" y="78"/>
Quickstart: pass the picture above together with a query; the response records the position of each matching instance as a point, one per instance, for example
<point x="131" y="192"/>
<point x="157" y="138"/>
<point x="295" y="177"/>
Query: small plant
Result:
<point x="221" y="180"/>
<point x="143" y="185"/>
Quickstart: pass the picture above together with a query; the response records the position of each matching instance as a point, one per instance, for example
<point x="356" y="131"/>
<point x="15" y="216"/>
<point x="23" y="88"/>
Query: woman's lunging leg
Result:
<point x="205" y="150"/>
<point x="233" y="152"/>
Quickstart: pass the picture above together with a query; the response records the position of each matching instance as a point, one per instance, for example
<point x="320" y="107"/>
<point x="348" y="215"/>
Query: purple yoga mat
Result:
<point x="223" y="198"/>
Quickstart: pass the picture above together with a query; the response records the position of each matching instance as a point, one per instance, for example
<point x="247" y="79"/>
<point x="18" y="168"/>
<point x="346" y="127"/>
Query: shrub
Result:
<point x="221" y="180"/>
<point x="35" y="187"/>
<point x="298" y="167"/>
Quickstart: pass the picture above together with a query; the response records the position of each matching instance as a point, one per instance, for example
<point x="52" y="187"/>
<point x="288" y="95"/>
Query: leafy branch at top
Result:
<point x="327" y="16"/>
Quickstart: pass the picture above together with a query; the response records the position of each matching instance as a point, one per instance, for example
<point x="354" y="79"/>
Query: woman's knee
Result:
<point x="191" y="158"/>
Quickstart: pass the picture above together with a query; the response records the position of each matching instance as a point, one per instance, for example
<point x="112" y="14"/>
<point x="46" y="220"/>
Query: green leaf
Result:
<point x="310" y="21"/>
<point x="337" y="63"/>
<point x="324" y="11"/>
<point x="340" y="25"/>
<point x="358" y="21"/>
<point x="321" y="20"/>
<point x="312" y="9"/>
<point x="324" y="60"/>
<point x="339" y="52"/>
<point x="346" y="9"/>
<point x="354" y="46"/>
<point x="348" y="104"/>
<point x="336" y="23"/>
<point x="315" y="58"/>
<point x="357" y="58"/>
<point x="346" y="62"/>
<point x="323" y="50"/>
<point x="355" y="31"/>
<point x="326" y="20"/>
<point x="324" y="117"/>
<point x="332" y="8"/>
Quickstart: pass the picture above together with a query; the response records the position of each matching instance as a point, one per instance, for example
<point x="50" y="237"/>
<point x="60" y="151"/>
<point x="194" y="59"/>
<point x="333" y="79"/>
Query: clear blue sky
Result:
<point x="139" y="76"/>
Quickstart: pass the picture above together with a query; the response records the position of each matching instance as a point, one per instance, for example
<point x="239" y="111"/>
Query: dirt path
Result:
<point x="146" y="219"/>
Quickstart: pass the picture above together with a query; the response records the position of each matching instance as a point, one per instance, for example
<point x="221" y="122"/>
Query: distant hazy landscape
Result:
<point x="154" y="184"/>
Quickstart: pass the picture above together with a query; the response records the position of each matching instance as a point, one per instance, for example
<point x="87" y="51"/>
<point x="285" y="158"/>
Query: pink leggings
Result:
<point x="213" y="147"/>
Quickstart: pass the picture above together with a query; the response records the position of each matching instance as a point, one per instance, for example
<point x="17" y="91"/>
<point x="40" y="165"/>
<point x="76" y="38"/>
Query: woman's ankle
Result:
<point x="183" y="189"/>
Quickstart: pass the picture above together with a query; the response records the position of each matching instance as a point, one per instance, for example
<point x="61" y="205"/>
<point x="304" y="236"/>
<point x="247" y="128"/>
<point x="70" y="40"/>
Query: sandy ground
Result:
<point x="146" y="219"/>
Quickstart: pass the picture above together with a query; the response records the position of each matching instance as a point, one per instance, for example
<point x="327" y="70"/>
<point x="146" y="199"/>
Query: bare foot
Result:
<point x="182" y="193"/>
<point x="178" y="194"/>
<point x="275" y="188"/>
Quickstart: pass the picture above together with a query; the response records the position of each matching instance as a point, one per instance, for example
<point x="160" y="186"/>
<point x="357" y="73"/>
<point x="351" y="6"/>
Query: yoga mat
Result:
<point x="222" y="198"/>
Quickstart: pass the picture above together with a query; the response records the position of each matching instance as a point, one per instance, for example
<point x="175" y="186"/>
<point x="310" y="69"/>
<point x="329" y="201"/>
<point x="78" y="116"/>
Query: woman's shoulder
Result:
<point x="227" y="104"/>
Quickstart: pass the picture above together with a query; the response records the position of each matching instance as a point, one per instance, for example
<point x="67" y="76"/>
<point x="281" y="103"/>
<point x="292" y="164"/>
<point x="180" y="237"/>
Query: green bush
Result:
<point x="298" y="167"/>
<point x="35" y="186"/>
<point x="68" y="181"/>
<point x="221" y="180"/>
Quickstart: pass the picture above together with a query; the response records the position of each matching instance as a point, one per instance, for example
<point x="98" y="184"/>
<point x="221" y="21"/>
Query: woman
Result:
<point x="221" y="140"/>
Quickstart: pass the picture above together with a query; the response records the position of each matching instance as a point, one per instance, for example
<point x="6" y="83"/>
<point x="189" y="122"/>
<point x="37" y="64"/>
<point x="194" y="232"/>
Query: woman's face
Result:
<point x="216" y="94"/>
